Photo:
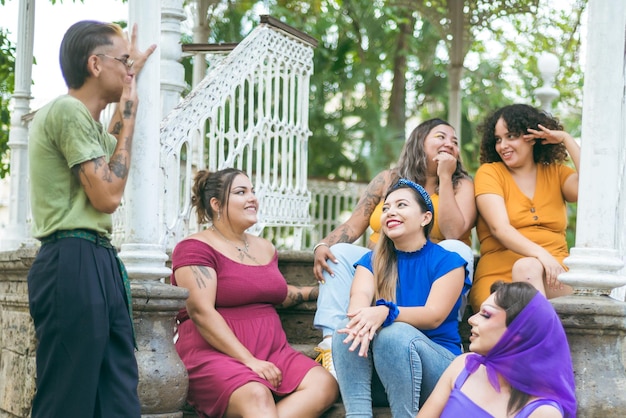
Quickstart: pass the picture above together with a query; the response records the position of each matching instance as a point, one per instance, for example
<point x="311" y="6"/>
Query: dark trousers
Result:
<point x="86" y="364"/>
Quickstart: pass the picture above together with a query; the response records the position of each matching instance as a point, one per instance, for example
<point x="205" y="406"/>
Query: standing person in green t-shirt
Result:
<point x="78" y="289"/>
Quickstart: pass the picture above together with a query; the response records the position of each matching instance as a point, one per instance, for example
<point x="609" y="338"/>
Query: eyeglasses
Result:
<point x="128" y="63"/>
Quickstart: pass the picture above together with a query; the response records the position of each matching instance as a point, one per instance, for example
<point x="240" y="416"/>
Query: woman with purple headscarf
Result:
<point x="520" y="365"/>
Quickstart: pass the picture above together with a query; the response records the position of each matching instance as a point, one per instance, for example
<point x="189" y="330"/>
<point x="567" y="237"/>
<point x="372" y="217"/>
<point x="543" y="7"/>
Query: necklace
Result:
<point x="242" y="251"/>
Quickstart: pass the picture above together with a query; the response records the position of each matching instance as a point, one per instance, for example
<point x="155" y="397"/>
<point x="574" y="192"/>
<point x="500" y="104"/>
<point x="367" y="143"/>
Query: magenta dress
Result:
<point x="246" y="296"/>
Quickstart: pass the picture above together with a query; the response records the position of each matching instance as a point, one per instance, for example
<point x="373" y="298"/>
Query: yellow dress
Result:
<point x="435" y="234"/>
<point x="542" y="219"/>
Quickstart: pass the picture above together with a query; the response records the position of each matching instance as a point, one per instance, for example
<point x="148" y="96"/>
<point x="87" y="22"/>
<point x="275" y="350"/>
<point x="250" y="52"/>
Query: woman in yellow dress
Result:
<point x="521" y="188"/>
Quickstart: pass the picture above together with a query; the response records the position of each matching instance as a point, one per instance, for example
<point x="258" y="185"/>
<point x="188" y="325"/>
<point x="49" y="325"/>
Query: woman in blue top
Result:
<point x="402" y="317"/>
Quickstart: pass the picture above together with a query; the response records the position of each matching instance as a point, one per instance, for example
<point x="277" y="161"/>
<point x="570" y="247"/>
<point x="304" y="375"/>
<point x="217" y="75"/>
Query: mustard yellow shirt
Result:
<point x="542" y="219"/>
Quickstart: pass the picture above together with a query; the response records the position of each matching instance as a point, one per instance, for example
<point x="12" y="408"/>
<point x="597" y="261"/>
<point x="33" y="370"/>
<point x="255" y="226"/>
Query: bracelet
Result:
<point x="320" y="244"/>
<point x="394" y="311"/>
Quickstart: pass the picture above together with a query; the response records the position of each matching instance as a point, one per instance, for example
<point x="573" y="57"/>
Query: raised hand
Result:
<point x="546" y="136"/>
<point x="139" y="58"/>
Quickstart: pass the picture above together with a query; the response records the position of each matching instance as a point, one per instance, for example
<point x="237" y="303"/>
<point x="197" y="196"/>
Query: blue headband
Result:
<point x="420" y="190"/>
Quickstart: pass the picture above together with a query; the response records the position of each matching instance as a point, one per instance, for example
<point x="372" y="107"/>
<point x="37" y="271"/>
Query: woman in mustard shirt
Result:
<point x="522" y="188"/>
<point x="430" y="158"/>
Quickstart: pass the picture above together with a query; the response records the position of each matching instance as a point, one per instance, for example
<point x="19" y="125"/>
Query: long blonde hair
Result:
<point x="385" y="258"/>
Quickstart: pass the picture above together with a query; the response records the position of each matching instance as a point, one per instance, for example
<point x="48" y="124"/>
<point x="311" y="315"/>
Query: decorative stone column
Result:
<point x="17" y="335"/>
<point x="172" y="71"/>
<point x="162" y="376"/>
<point x="200" y="36"/>
<point x="16" y="232"/>
<point x="548" y="64"/>
<point x="596" y="324"/>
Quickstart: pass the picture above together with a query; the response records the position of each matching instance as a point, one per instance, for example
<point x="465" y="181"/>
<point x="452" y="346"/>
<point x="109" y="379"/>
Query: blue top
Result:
<point x="417" y="271"/>
<point x="459" y="404"/>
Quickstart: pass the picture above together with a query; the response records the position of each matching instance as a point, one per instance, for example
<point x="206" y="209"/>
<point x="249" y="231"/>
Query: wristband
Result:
<point x="320" y="244"/>
<point x="394" y="311"/>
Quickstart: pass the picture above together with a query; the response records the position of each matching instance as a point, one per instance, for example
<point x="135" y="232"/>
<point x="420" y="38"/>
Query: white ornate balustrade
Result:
<point x="251" y="112"/>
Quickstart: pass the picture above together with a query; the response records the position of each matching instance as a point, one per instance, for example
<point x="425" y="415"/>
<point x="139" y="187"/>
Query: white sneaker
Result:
<point x="325" y="356"/>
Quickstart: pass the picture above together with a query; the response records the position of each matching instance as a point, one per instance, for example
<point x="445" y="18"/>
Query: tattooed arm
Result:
<point x="355" y="226"/>
<point x="299" y="294"/>
<point x="139" y="59"/>
<point x="201" y="282"/>
<point x="103" y="181"/>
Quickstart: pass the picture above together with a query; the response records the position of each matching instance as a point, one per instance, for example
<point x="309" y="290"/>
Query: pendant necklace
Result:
<point x="242" y="251"/>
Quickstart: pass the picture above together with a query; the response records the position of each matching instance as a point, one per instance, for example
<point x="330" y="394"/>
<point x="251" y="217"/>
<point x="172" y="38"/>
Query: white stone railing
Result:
<point x="251" y="111"/>
<point x="332" y="203"/>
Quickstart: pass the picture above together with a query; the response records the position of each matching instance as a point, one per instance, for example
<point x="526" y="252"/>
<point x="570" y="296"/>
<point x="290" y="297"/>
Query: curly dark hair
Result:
<point x="519" y="118"/>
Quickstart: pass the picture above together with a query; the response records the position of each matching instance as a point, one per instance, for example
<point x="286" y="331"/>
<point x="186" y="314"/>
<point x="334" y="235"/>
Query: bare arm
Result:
<point x="546" y="411"/>
<point x="443" y="296"/>
<point x="201" y="282"/>
<point x="549" y="136"/>
<point x="139" y="60"/>
<point x="436" y="402"/>
<point x="299" y="294"/>
<point x="104" y="182"/>
<point x="358" y="222"/>
<point x="364" y="319"/>
<point x="570" y="187"/>
<point x="493" y="210"/>
<point x="456" y="213"/>
<point x="355" y="226"/>
<point x="363" y="289"/>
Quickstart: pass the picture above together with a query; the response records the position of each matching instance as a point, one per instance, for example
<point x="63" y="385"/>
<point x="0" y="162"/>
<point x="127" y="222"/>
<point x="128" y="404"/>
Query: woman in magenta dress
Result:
<point x="230" y="337"/>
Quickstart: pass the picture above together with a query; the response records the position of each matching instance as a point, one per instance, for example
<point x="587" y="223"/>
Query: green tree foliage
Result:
<point x="371" y="79"/>
<point x="383" y="65"/>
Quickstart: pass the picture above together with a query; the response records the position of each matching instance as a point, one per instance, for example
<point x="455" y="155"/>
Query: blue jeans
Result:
<point x="334" y="296"/>
<point x="408" y="363"/>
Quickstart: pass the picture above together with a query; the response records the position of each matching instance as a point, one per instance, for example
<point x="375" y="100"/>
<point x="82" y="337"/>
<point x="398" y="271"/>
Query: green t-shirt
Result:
<point x="63" y="134"/>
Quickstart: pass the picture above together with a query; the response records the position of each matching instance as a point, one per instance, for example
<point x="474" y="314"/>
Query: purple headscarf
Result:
<point x="533" y="356"/>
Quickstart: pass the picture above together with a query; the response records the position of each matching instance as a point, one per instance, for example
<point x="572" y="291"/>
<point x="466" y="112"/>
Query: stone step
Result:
<point x="338" y="411"/>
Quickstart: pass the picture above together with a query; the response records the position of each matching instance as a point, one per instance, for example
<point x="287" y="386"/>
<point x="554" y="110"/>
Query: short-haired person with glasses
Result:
<point x="402" y="318"/>
<point x="79" y="294"/>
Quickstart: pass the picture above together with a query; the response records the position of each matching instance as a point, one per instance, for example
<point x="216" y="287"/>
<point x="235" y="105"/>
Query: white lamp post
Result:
<point x="548" y="65"/>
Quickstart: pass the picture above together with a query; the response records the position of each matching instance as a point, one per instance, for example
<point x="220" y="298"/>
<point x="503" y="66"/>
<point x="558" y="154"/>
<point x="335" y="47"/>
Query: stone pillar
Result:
<point x="548" y="64"/>
<point x="16" y="232"/>
<point x="172" y="71"/>
<point x="17" y="335"/>
<point x="162" y="376"/>
<point x="596" y="324"/>
<point x="595" y="261"/>
<point x="200" y="36"/>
